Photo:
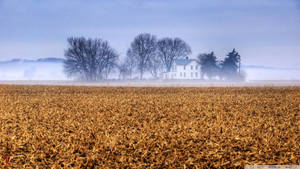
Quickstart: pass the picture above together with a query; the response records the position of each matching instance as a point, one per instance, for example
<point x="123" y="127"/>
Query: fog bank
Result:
<point x="53" y="70"/>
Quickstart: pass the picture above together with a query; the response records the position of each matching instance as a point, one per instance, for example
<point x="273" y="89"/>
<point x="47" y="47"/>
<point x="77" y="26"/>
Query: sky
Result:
<point x="264" y="32"/>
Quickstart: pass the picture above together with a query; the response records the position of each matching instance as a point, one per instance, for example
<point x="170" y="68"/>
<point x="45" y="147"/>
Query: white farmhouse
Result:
<point x="183" y="69"/>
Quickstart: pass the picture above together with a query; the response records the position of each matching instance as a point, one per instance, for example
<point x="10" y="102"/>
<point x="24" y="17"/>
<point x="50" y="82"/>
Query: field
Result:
<point x="141" y="127"/>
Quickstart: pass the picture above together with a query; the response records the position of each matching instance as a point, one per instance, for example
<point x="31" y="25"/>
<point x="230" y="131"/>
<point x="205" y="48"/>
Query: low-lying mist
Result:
<point x="34" y="70"/>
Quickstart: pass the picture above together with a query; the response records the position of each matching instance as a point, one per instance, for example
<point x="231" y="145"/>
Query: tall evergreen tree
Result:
<point x="209" y="66"/>
<point x="230" y="67"/>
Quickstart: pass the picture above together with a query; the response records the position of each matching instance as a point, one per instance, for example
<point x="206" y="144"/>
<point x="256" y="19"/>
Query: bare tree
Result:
<point x="130" y="64"/>
<point x="155" y="66"/>
<point x="142" y="49"/>
<point x="123" y="71"/>
<point x="89" y="59"/>
<point x="171" y="49"/>
<point x="126" y="69"/>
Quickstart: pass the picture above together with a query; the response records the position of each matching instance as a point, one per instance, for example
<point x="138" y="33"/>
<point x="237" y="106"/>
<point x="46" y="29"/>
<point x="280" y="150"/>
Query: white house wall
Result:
<point x="189" y="72"/>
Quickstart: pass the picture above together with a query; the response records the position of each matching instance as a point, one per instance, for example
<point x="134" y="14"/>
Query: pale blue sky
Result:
<point x="265" y="32"/>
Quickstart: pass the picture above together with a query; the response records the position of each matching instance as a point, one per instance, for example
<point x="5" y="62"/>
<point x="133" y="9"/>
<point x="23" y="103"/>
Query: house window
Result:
<point x="192" y="74"/>
<point x="196" y="74"/>
<point x="180" y="74"/>
<point x="196" y="67"/>
<point x="184" y="74"/>
<point x="183" y="67"/>
<point x="191" y="67"/>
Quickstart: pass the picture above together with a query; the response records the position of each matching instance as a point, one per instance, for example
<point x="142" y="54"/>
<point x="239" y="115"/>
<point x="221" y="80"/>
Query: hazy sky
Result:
<point x="265" y="32"/>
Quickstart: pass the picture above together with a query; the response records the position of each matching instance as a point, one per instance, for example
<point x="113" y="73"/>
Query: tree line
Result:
<point x="94" y="59"/>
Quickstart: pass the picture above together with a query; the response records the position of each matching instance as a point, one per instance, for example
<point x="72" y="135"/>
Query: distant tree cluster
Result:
<point x="227" y="69"/>
<point x="146" y="53"/>
<point x="94" y="59"/>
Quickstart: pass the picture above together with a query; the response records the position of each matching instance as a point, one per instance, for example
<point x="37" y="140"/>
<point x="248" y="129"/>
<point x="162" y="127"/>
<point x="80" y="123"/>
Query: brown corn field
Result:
<point x="148" y="127"/>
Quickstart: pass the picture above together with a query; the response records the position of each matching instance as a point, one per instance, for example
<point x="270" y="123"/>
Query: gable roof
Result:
<point x="183" y="61"/>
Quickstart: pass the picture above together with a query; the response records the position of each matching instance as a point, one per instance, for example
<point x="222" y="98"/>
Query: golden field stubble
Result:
<point x="148" y="127"/>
